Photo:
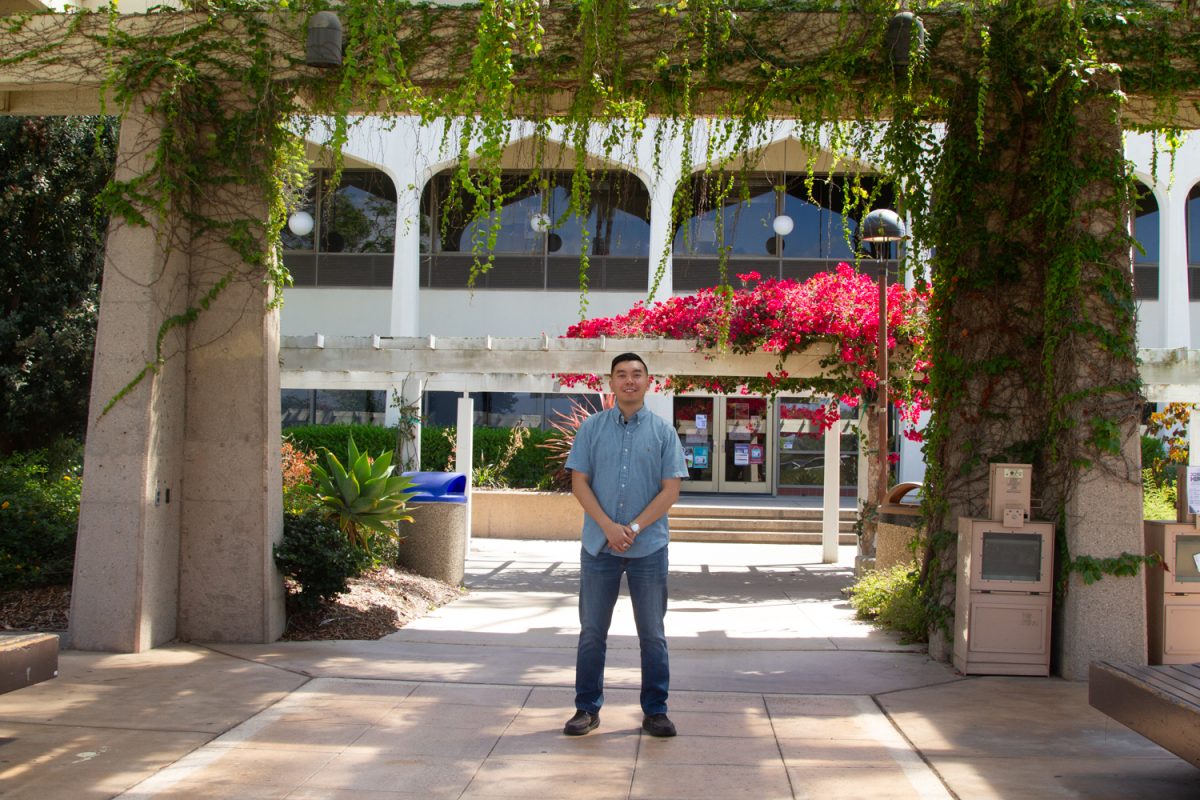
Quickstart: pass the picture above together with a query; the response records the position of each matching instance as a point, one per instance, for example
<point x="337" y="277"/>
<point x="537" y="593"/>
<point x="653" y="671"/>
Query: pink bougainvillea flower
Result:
<point x="784" y="317"/>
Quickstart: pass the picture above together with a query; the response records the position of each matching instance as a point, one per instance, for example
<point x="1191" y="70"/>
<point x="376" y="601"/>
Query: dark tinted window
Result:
<point x="534" y="239"/>
<point x="353" y="238"/>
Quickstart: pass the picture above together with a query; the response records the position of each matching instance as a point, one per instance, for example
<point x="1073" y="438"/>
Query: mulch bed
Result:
<point x="379" y="602"/>
<point x="45" y="608"/>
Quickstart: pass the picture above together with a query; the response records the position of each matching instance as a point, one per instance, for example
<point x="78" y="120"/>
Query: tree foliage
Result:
<point x="51" y="253"/>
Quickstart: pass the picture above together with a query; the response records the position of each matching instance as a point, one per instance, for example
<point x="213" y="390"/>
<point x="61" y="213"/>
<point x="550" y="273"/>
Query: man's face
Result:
<point x="629" y="382"/>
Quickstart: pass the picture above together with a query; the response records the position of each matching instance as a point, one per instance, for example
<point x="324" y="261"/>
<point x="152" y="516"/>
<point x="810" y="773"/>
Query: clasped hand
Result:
<point x="620" y="537"/>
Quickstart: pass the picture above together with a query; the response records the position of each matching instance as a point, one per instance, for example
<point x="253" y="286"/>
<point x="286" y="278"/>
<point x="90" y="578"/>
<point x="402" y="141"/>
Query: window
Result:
<point x="506" y="409"/>
<point x="1146" y="255"/>
<point x="538" y="243"/>
<point x="1193" y="242"/>
<point x="823" y="222"/>
<point x="353" y="240"/>
<point x="329" y="407"/>
<point x="802" y="448"/>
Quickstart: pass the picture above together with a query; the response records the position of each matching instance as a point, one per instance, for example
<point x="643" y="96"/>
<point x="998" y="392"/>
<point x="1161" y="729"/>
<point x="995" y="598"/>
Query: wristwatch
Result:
<point x="633" y="526"/>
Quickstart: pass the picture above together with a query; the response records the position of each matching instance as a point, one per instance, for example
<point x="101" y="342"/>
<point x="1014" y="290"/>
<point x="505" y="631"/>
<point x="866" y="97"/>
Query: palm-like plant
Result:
<point x="566" y="427"/>
<point x="365" y="498"/>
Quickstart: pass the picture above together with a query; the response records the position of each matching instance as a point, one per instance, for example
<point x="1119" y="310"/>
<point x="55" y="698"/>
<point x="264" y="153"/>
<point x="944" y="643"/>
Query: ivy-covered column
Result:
<point x="1032" y="326"/>
<point x="124" y="597"/>
<point x="183" y="489"/>
<point x="1099" y="394"/>
<point x="230" y="589"/>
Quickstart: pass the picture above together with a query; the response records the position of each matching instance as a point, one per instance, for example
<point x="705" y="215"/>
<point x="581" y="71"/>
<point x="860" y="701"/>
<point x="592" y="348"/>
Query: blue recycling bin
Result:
<point x="435" y="542"/>
<point x="438" y="487"/>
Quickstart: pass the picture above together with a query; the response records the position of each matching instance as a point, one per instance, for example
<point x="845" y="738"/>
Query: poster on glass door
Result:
<point x="741" y="455"/>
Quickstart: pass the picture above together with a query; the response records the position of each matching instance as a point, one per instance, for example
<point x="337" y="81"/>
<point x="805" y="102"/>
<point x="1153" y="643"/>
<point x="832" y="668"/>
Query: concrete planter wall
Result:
<point x="505" y="514"/>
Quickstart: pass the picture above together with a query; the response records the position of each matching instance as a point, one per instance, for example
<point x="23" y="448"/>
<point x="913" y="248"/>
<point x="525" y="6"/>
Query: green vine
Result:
<point x="1126" y="565"/>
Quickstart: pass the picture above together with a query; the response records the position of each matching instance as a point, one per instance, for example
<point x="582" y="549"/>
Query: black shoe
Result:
<point x="583" y="722"/>
<point x="658" y="725"/>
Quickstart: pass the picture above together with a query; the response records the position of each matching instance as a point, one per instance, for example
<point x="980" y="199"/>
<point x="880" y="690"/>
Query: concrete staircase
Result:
<point x="747" y="524"/>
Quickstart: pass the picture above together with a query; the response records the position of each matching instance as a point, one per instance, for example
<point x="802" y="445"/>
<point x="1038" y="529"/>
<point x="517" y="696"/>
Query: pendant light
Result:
<point x="783" y="224"/>
<point x="300" y="223"/>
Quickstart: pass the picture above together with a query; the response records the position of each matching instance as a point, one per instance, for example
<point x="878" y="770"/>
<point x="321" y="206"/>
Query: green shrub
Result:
<point x="39" y="513"/>
<point x="529" y="468"/>
<point x="1158" y="497"/>
<point x="318" y="557"/>
<point x="532" y="467"/>
<point x="437" y="442"/>
<point x="370" y="438"/>
<point x="1154" y="454"/>
<point x="892" y="598"/>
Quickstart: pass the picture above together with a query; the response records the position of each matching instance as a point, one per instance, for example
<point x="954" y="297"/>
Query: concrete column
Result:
<point x="1172" y="267"/>
<point x="831" y="509"/>
<point x="125" y="592"/>
<point x="230" y="589"/>
<point x="182" y="484"/>
<point x="406" y="264"/>
<point x="465" y="427"/>
<point x="662" y="187"/>
<point x="1107" y="619"/>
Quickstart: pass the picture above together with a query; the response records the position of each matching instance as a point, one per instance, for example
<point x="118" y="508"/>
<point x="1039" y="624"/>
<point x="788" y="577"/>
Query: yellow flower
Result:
<point x="4" y="504"/>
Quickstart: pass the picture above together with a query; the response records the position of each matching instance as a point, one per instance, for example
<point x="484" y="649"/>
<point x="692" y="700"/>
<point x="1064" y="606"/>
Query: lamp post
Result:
<point x="880" y="227"/>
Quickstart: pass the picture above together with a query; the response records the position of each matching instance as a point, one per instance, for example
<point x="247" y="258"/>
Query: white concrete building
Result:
<point x="380" y="263"/>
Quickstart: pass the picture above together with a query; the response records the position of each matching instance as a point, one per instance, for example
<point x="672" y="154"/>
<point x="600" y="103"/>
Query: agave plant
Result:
<point x="566" y="427"/>
<point x="365" y="498"/>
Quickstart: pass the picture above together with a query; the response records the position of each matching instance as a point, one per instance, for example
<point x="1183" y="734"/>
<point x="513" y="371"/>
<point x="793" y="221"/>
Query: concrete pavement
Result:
<point x="777" y="692"/>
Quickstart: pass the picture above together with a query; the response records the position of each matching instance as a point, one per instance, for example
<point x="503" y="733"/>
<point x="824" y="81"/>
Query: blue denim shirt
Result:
<point x="626" y="463"/>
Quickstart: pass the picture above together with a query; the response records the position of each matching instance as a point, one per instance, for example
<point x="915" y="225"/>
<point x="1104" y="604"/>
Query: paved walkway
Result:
<point x="777" y="691"/>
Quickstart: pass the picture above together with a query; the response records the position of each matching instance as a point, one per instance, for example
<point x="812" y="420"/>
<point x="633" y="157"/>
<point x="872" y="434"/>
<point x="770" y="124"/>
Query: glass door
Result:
<point x="726" y="444"/>
<point x="695" y="421"/>
<point x="745" y="462"/>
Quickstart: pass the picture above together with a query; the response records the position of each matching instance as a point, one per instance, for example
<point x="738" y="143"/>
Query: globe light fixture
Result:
<point x="783" y="224"/>
<point x="881" y="225"/>
<point x="300" y="223"/>
<point x="540" y="222"/>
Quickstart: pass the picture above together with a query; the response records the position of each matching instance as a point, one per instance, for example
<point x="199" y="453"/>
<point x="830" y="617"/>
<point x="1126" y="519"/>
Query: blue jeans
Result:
<point x="599" y="585"/>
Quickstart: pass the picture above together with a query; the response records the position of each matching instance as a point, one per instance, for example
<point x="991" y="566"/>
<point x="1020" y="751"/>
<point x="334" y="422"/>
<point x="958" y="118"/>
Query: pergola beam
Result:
<point x="506" y="364"/>
<point x="69" y="52"/>
<point x="488" y="364"/>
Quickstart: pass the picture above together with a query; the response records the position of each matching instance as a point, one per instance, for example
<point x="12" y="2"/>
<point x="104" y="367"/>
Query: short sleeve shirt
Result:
<point x="626" y="462"/>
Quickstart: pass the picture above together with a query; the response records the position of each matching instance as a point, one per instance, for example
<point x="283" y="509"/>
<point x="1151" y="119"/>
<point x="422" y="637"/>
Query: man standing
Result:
<point x="626" y="467"/>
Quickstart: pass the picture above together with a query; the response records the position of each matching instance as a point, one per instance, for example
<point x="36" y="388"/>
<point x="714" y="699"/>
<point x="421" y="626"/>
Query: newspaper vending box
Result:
<point x="1004" y="594"/>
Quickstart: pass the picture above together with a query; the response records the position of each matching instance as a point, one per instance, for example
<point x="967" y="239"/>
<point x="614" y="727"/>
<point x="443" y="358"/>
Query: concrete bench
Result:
<point x="26" y="659"/>
<point x="1160" y="703"/>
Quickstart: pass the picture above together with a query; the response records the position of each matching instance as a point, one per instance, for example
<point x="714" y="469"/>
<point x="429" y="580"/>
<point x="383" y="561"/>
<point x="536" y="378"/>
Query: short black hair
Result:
<point x="627" y="357"/>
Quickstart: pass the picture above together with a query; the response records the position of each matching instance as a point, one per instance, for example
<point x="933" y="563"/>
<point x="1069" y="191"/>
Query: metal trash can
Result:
<point x="435" y="542"/>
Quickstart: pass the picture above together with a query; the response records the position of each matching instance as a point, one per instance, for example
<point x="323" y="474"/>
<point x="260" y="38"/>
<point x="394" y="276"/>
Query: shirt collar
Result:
<point x="637" y="415"/>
